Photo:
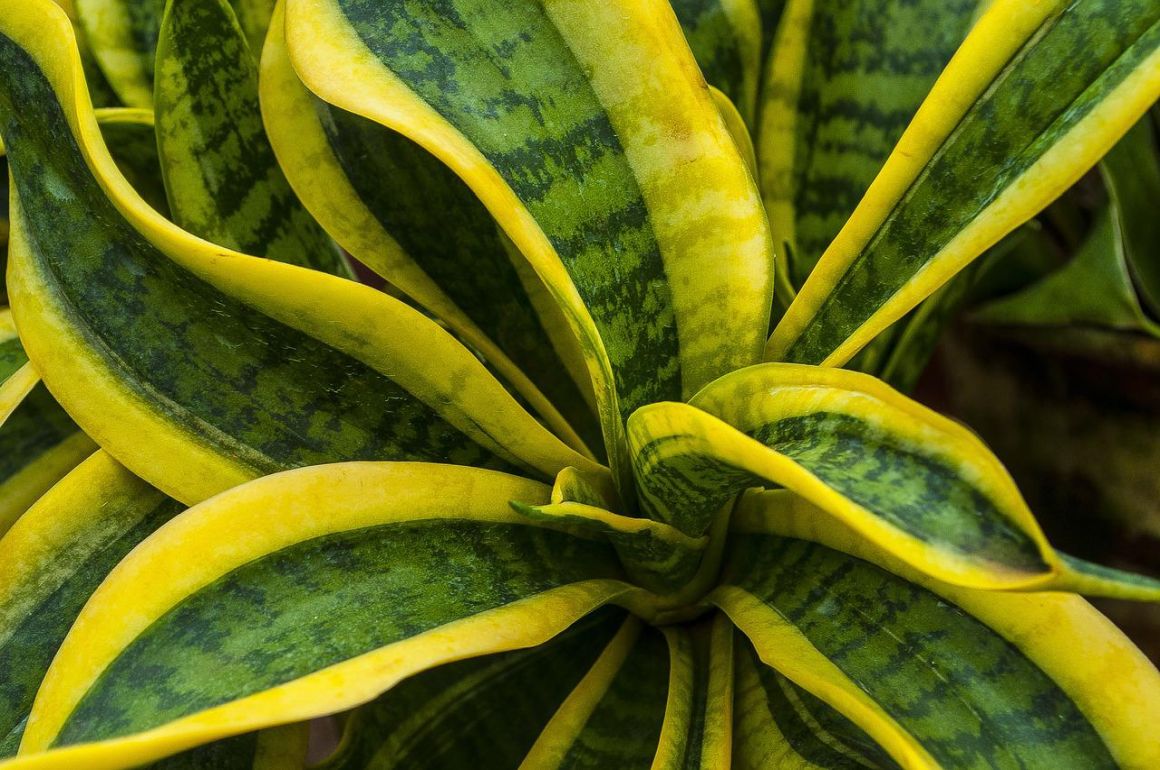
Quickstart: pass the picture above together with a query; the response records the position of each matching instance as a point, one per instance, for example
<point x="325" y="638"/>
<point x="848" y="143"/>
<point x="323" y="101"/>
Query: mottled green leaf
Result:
<point x="222" y="179"/>
<point x="968" y="696"/>
<point x="405" y="215"/>
<point x="540" y="108"/>
<point x="360" y="546"/>
<point x="52" y="560"/>
<point x="186" y="381"/>
<point x="123" y="35"/>
<point x="483" y="713"/>
<point x="725" y="36"/>
<point x="614" y="716"/>
<point x="1013" y="122"/>
<point x="845" y="79"/>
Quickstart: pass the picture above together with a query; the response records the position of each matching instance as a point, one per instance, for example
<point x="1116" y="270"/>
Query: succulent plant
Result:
<point x="549" y="493"/>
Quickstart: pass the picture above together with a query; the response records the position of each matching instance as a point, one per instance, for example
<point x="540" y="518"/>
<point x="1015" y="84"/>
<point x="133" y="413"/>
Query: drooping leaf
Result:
<point x="614" y="716"/>
<point x="905" y="478"/>
<point x="485" y="712"/>
<point x="967" y="678"/>
<point x="222" y="179"/>
<point x="359" y="546"/>
<point x="725" y="36"/>
<point x="199" y="368"/>
<point x="1013" y="121"/>
<point x="402" y="213"/>
<point x="617" y="189"/>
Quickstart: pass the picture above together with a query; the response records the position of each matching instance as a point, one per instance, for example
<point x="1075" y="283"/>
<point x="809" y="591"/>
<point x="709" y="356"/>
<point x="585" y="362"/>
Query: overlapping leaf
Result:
<point x="277" y="366"/>
<point x="1024" y="116"/>
<point x="617" y="189"/>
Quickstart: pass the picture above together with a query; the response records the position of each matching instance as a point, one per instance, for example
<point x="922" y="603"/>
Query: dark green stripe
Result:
<point x="222" y="179"/>
<point x="971" y="698"/>
<point x="280" y="397"/>
<point x="501" y="704"/>
<point x="869" y="64"/>
<point x="502" y="74"/>
<point x="1034" y="101"/>
<point x="624" y="730"/>
<point x="319" y="603"/>
<point x="127" y="518"/>
<point x="917" y="493"/>
<point x="441" y="225"/>
<point x="858" y="750"/>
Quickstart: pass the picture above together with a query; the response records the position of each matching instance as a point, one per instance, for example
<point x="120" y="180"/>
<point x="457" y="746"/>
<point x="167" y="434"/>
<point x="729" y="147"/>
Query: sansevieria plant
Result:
<point x="546" y="491"/>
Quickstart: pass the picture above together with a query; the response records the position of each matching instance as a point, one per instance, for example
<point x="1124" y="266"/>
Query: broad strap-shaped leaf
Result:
<point x="52" y="560"/>
<point x="123" y="35"/>
<point x="778" y="724"/>
<point x="618" y="189"/>
<point x="725" y="37"/>
<point x="223" y="181"/>
<point x="909" y="480"/>
<point x="1012" y="122"/>
<point x="697" y="733"/>
<point x="404" y="214"/>
<point x="940" y="676"/>
<point x="199" y="368"/>
<point x="359" y="546"/>
<point x="1096" y="287"/>
<point x="485" y="712"/>
<point x="844" y="80"/>
<point x="615" y="715"/>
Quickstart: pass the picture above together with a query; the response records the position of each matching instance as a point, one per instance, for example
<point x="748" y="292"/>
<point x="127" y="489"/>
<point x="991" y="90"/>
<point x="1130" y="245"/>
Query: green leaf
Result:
<point x="845" y="78"/>
<point x="1013" y="121"/>
<point x="1131" y="172"/>
<point x="199" y="368"/>
<point x="965" y="678"/>
<point x="132" y="142"/>
<point x="359" y="546"/>
<point x="222" y="179"/>
<point x="725" y="36"/>
<point x="614" y="716"/>
<point x="123" y="35"/>
<point x="895" y="471"/>
<point x="52" y="560"/>
<point x="1094" y="288"/>
<point x="401" y="212"/>
<point x="484" y="712"/>
<point x="576" y="157"/>
<point x="778" y="724"/>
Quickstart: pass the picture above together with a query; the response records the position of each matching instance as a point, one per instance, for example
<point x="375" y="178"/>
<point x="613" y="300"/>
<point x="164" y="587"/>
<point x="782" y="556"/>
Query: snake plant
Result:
<point x="542" y="488"/>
